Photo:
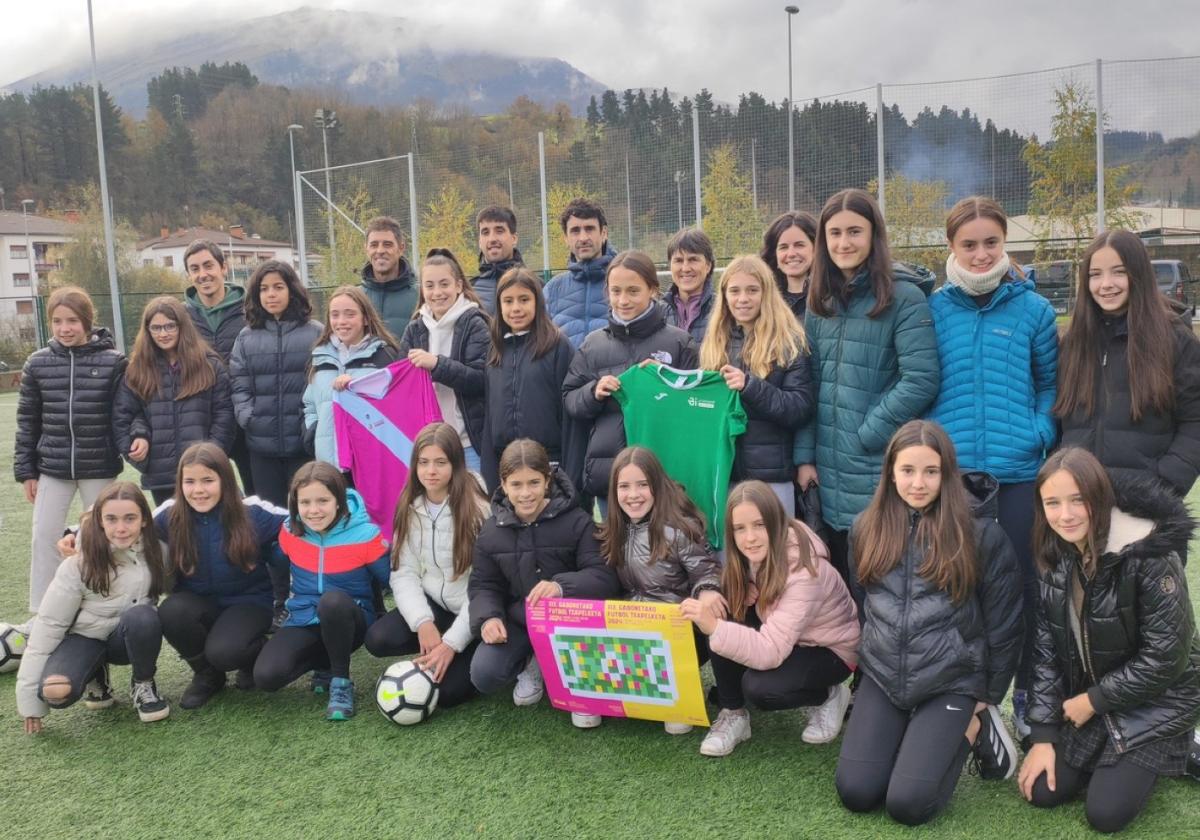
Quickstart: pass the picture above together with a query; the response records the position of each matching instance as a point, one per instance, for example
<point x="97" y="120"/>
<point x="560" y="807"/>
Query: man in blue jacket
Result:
<point x="576" y="299"/>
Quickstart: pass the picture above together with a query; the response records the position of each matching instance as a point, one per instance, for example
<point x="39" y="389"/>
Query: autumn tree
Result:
<point x="730" y="219"/>
<point x="339" y="260"/>
<point x="446" y="223"/>
<point x="557" y="199"/>
<point x="916" y="214"/>
<point x="1063" y="175"/>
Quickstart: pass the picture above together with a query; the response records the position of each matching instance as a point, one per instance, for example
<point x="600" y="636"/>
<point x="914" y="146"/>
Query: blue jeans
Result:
<point x="473" y="463"/>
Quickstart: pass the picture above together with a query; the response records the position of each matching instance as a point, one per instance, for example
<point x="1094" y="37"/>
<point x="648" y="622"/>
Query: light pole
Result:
<point x="679" y="195"/>
<point x="326" y="121"/>
<point x="791" y="10"/>
<point x="37" y="322"/>
<point x="292" y="148"/>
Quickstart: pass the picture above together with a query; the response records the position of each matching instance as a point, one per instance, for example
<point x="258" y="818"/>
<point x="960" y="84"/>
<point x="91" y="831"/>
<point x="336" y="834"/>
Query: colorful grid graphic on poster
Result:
<point x="618" y="658"/>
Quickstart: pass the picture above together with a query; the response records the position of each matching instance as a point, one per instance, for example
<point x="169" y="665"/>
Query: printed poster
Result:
<point x="632" y="659"/>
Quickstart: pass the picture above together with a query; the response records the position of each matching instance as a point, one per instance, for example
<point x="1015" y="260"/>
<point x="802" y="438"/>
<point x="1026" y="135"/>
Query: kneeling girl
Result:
<point x="99" y="610"/>
<point x="335" y="552"/>
<point x="437" y="519"/>
<point x="792" y="631"/>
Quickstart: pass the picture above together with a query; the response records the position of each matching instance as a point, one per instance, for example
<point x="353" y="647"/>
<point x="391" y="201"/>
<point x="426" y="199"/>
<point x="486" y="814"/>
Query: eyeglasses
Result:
<point x="164" y="329"/>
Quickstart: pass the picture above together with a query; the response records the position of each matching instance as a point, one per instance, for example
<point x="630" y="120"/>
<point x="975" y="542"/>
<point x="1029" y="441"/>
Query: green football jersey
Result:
<point x="691" y="420"/>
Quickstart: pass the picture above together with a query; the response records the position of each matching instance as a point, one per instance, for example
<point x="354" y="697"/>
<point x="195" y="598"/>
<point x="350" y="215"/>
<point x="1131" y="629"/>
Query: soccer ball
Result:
<point x="406" y="694"/>
<point x="12" y="646"/>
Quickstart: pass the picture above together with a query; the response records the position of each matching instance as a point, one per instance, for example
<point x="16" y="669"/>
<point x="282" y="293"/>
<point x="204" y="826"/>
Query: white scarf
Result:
<point x="441" y="342"/>
<point x="976" y="284"/>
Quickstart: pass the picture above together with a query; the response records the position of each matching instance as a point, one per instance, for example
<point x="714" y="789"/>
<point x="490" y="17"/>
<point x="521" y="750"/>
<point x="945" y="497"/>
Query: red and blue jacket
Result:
<point x="345" y="558"/>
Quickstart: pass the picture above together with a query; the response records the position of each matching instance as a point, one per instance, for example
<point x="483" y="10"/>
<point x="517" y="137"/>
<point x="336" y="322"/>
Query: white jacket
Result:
<point x="426" y="573"/>
<point x="70" y="607"/>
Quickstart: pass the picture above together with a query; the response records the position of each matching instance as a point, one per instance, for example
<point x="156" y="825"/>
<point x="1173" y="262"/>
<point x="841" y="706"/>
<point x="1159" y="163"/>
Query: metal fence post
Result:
<point x="696" y="163"/>
<point x="413" y="225"/>
<point x="628" y="200"/>
<point x="879" y="146"/>
<point x="545" y="221"/>
<point x="298" y="200"/>
<point x="1099" y="146"/>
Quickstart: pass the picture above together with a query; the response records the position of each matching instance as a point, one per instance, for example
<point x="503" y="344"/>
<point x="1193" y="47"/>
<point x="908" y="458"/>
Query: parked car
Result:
<point x="1055" y="281"/>
<point x="1176" y="283"/>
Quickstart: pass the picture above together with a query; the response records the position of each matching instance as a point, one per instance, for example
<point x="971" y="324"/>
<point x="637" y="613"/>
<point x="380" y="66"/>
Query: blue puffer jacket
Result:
<point x="999" y="367"/>
<point x="327" y="365"/>
<point x="576" y="299"/>
<point x="872" y="376"/>
<point x="345" y="558"/>
<point x="214" y="575"/>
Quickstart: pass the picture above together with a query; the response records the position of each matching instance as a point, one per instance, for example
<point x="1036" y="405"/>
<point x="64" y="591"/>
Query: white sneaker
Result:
<point x="676" y="728"/>
<point x="529" y="688"/>
<point x="826" y="721"/>
<point x="729" y="729"/>
<point x="584" y="721"/>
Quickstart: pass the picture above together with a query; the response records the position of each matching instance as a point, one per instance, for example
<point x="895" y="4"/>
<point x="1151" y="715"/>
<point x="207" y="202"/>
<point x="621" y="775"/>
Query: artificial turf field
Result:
<point x="266" y="766"/>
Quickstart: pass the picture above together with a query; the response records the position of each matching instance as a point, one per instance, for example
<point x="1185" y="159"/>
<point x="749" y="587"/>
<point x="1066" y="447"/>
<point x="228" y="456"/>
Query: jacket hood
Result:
<point x="983" y="491"/>
<point x="405" y="278"/>
<point x="235" y="295"/>
<point x="918" y="275"/>
<point x="100" y="339"/>
<point x="1147" y="521"/>
<point x="594" y="269"/>
<point x="326" y="352"/>
<point x="499" y="268"/>
<point x="646" y="324"/>
<point x="563" y="497"/>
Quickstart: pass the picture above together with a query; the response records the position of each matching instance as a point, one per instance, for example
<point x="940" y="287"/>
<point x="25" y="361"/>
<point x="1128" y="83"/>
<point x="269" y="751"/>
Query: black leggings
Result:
<point x="390" y="636"/>
<point x="136" y="641"/>
<point x="1115" y="794"/>
<point x="273" y="475"/>
<point x="294" y="651"/>
<point x="161" y="494"/>
<point x="228" y="638"/>
<point x="803" y="679"/>
<point x="1016" y="519"/>
<point x="908" y="761"/>
<point x="839" y="551"/>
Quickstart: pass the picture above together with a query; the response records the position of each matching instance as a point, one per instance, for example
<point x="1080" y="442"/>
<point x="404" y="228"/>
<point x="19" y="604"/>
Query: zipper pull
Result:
<point x="1104" y="359"/>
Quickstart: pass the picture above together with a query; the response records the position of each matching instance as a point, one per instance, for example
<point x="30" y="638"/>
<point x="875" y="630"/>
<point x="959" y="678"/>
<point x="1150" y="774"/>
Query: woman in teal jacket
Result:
<point x="874" y="359"/>
<point x="998" y="348"/>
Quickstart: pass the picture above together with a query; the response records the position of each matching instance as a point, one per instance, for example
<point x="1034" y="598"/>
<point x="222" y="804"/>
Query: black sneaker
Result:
<point x="1193" y="759"/>
<point x="994" y="748"/>
<point x="98" y="693"/>
<point x="149" y="703"/>
<point x="204" y="685"/>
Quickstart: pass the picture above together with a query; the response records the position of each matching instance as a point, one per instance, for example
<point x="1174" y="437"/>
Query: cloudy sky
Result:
<point x="729" y="46"/>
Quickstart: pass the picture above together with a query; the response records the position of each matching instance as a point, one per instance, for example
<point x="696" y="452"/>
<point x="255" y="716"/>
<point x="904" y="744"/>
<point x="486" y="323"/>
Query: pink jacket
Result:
<point x="812" y="612"/>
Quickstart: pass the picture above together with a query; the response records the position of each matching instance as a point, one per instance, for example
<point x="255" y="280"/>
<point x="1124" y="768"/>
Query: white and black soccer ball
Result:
<point x="12" y="647"/>
<point x="405" y="693"/>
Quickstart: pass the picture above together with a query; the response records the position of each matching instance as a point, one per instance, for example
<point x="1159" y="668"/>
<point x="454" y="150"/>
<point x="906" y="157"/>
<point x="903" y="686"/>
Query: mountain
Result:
<point x="378" y="60"/>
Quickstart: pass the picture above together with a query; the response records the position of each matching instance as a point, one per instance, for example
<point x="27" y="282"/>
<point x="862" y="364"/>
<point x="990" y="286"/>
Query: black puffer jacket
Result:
<point x="463" y="369"/>
<point x="269" y="372"/>
<point x="917" y="643"/>
<point x="1143" y="668"/>
<point x="524" y="400"/>
<point x="1163" y="445"/>
<point x="171" y="425"/>
<point x="613" y="350"/>
<point x="64" y="415"/>
<point x="511" y="556"/>
<point x="484" y="283"/>
<point x="697" y="328"/>
<point x="775" y="408"/>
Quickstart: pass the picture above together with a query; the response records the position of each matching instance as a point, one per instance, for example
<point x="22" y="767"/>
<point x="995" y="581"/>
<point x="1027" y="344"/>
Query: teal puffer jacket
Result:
<point x="999" y="367"/>
<point x="872" y="376"/>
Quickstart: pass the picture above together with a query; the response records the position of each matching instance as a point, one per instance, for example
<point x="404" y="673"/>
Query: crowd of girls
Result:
<point x="996" y="502"/>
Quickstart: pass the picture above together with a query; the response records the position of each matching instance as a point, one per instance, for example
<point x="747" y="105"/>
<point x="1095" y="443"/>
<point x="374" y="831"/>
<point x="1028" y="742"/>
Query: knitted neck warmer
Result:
<point x="976" y="284"/>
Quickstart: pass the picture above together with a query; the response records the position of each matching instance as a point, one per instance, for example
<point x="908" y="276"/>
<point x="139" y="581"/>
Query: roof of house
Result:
<point x="12" y="223"/>
<point x="186" y="236"/>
